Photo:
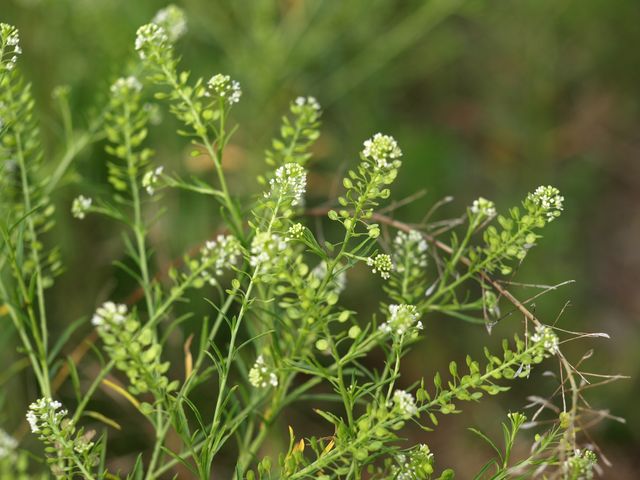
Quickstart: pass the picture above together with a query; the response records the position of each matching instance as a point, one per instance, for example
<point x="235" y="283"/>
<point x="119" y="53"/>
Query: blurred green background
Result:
<point x="485" y="98"/>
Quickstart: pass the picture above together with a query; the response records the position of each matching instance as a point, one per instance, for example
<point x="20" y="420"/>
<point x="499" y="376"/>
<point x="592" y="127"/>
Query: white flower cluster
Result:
<point x="289" y="182"/>
<point x="339" y="281"/>
<point x="381" y="264"/>
<point x="82" y="443"/>
<point x="266" y="249"/>
<point x="383" y="150"/>
<point x="405" y="404"/>
<point x="416" y="464"/>
<point x="10" y="166"/>
<point x="172" y="20"/>
<point x="549" y="200"/>
<point x="261" y="375"/>
<point x="151" y="178"/>
<point x="483" y="207"/>
<point x="309" y="102"/>
<point x="402" y="319"/>
<point x="221" y="253"/>
<point x="125" y="85"/>
<point x="47" y="418"/>
<point x="154" y="113"/>
<point x="80" y="206"/>
<point x="109" y="313"/>
<point x="9" y="46"/>
<point x="8" y="444"/>
<point x="412" y="245"/>
<point x="150" y="38"/>
<point x="222" y="87"/>
<point x="581" y="465"/>
<point x="43" y="413"/>
<point x="295" y="231"/>
<point x="546" y="337"/>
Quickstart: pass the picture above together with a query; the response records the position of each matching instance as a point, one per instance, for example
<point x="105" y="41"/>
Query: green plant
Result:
<point x="280" y="335"/>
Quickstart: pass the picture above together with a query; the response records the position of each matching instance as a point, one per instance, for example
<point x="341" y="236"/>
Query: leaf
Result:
<point x="328" y="417"/>
<point x="484" y="468"/>
<point x="62" y="339"/>
<point x="117" y="388"/>
<point x="180" y="459"/>
<point x="188" y="358"/>
<point x="462" y="316"/>
<point x="102" y="418"/>
<point x="329" y="447"/>
<point x="488" y="440"/>
<point x="75" y="380"/>
<point x="311" y="242"/>
<point x="299" y="447"/>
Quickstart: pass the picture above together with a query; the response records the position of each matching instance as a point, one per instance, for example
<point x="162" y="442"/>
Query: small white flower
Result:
<point x="381" y="264"/>
<point x="308" y="101"/>
<point x="172" y="20"/>
<point x="33" y="421"/>
<point x="47" y="418"/>
<point x="402" y="319"/>
<point x="8" y="444"/>
<point x="80" y="206"/>
<point x="339" y="281"/>
<point x="580" y="466"/>
<point x="547" y="338"/>
<point x="295" y="231"/>
<point x="125" y="85"/>
<point x="153" y="112"/>
<point x="383" y="150"/>
<point x="82" y="445"/>
<point x="290" y="181"/>
<point x="261" y="375"/>
<point x="150" y="38"/>
<point x="151" y="178"/>
<point x="411" y="464"/>
<point x="405" y="403"/>
<point x="222" y="87"/>
<point x="483" y="207"/>
<point x="411" y="246"/>
<point x="13" y="39"/>
<point x="219" y="254"/>
<point x="109" y="313"/>
<point x="10" y="37"/>
<point x="266" y="250"/>
<point x="549" y="200"/>
<point x="44" y="412"/>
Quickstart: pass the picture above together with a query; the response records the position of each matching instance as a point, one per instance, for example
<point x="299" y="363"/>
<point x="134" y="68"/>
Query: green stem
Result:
<point x="215" y="445"/>
<point x="451" y="265"/>
<point x="161" y="431"/>
<point x="396" y="369"/>
<point x="200" y="130"/>
<point x="473" y="270"/>
<point x="23" y="336"/>
<point x="348" y="234"/>
<point x="138" y="224"/>
<point x="43" y="334"/>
